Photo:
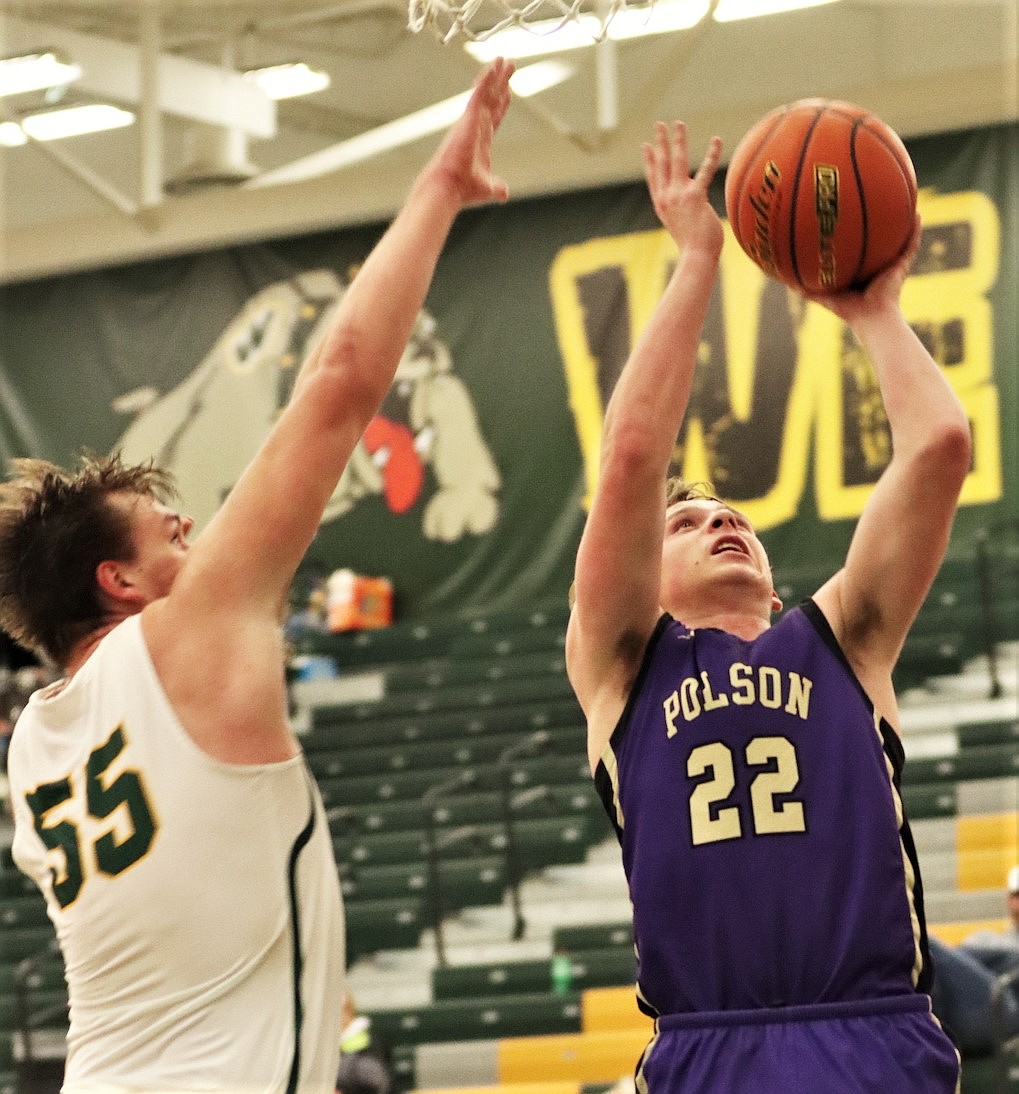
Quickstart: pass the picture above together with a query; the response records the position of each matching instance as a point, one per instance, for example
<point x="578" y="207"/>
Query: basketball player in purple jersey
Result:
<point x="751" y="770"/>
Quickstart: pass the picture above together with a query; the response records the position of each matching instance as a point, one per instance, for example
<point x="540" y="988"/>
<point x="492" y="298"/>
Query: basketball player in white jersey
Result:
<point x="161" y="802"/>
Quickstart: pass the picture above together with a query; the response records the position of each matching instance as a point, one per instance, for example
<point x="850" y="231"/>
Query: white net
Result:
<point x="477" y="20"/>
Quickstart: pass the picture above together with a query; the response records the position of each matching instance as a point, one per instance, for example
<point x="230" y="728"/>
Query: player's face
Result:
<point x="708" y="543"/>
<point x="160" y="544"/>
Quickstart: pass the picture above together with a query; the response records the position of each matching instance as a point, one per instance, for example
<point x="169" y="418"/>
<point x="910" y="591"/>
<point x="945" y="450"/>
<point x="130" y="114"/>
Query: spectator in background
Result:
<point x="964" y="977"/>
<point x="364" y="1059"/>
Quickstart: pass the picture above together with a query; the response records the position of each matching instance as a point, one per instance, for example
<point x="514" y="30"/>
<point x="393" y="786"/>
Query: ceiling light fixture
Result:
<point x="289" y="80"/>
<point x="74" y="121"/>
<point x="557" y="36"/>
<point x="412" y="127"/>
<point x="656" y="17"/>
<point x="35" y="71"/>
<point x="12" y="135"/>
<point x="729" y="11"/>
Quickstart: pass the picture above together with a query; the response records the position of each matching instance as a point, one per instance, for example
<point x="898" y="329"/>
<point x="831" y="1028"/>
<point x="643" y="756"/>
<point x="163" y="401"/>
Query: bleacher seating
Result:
<point x="459" y="695"/>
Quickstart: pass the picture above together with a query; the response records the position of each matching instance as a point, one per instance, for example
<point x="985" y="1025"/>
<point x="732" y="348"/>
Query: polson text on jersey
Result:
<point x="765" y="686"/>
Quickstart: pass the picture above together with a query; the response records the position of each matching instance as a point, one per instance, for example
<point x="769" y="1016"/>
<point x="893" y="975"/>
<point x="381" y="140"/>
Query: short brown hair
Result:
<point x="677" y="489"/>
<point x="55" y="528"/>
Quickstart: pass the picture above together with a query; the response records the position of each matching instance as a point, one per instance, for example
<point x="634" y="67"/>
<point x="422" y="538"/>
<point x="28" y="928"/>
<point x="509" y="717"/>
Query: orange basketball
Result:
<point x="821" y="195"/>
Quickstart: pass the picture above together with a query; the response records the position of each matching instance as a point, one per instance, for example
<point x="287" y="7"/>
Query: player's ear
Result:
<point x="113" y="581"/>
<point x="776" y="603"/>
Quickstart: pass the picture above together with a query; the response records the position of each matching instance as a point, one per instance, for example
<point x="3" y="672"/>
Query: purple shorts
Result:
<point x="869" y="1046"/>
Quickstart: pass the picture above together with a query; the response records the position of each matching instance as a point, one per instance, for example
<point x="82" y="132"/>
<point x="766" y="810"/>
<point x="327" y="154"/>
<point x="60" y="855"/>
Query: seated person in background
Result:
<point x="364" y="1060"/>
<point x="964" y="976"/>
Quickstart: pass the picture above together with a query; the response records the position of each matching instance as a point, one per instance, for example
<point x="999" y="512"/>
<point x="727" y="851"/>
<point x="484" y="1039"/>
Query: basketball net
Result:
<point x="454" y="18"/>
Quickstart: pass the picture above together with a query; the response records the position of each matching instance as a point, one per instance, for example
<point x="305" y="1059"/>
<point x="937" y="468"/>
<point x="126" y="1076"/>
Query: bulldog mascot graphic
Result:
<point x="207" y="429"/>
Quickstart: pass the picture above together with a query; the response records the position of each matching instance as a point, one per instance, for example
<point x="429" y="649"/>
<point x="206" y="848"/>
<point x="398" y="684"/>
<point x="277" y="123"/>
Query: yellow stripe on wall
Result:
<point x="954" y="933"/>
<point x="612" y="1008"/>
<point x="602" y="1057"/>
<point x="987" y="847"/>
<point x="507" y="1088"/>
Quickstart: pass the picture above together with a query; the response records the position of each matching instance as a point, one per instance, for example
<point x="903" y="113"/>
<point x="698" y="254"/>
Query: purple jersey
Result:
<point x="755" y="794"/>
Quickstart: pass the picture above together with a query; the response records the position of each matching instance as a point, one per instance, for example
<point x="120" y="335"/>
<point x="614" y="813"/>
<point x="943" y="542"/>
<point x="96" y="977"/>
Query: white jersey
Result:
<point x="196" y="903"/>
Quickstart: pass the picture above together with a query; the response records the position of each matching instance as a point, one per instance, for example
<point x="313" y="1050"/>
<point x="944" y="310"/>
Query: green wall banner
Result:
<point x="470" y="487"/>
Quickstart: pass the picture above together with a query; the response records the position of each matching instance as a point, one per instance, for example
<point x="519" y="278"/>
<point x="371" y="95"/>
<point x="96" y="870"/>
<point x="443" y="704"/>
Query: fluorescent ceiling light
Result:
<point x="533" y="79"/>
<point x="422" y="123"/>
<point x="289" y="80"/>
<point x="728" y="11"/>
<point x="12" y="135"/>
<point x="656" y="17"/>
<point x="35" y="71"/>
<point x="558" y="35"/>
<point x="73" y="121"/>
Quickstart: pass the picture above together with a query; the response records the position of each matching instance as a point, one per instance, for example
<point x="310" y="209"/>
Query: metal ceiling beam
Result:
<point x="188" y="89"/>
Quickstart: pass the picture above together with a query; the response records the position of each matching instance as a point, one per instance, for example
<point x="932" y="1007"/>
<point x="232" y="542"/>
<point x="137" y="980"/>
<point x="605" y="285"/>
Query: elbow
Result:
<point x="627" y="454"/>
<point x="950" y="448"/>
<point x="346" y="377"/>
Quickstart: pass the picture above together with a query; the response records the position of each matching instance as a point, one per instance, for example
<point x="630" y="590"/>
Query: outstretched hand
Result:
<point x="881" y="292"/>
<point x="465" y="156"/>
<point x="680" y="201"/>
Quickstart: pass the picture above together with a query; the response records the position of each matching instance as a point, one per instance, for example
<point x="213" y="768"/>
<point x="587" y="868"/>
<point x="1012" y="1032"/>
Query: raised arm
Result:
<point x="903" y="532"/>
<point x="273" y="512"/>
<point x="618" y="571"/>
<point x="239" y="570"/>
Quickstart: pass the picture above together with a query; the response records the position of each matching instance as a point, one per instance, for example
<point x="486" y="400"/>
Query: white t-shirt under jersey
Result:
<point x="197" y="903"/>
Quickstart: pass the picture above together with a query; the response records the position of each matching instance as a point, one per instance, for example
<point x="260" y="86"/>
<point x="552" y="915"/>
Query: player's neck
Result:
<point x="731" y="608"/>
<point x="87" y="646"/>
<point x="741" y="624"/>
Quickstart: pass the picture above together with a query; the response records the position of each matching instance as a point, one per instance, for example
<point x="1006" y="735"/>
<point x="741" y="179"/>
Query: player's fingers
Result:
<point x="680" y="162"/>
<point x="709" y="165"/>
<point x="913" y="246"/>
<point x="656" y="155"/>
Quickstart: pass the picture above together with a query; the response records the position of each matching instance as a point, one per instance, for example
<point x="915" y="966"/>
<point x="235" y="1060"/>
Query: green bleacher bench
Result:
<point x="407" y="640"/>
<point x="509" y="643"/>
<point x="463" y="883"/>
<point x="378" y="646"/>
<point x="368" y="759"/>
<point x="611" y="967"/>
<point x="977" y="762"/>
<point x="926" y="801"/>
<point x="46" y="975"/>
<point x="403" y="1061"/>
<point x="576" y="938"/>
<point x="541" y="840"/>
<point x="410" y="785"/>
<point x="26" y="910"/>
<point x="995" y="731"/>
<point x="330" y="728"/>
<point x="493" y="1017"/>
<point x="48" y="1010"/>
<point x="383" y="848"/>
<point x="449" y="672"/>
<point x="943" y="653"/>
<point x="472" y="807"/>
<point x="464" y="697"/>
<point x="374" y="925"/>
<point x="17" y="943"/>
<point x="385" y="786"/>
<point x="14" y="883"/>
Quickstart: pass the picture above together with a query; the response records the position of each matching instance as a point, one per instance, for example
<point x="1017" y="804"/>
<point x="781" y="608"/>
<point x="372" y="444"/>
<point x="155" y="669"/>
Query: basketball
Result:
<point x="821" y="194"/>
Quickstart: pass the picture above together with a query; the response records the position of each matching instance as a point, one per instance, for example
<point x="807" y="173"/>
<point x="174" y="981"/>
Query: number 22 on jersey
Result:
<point x="775" y="772"/>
